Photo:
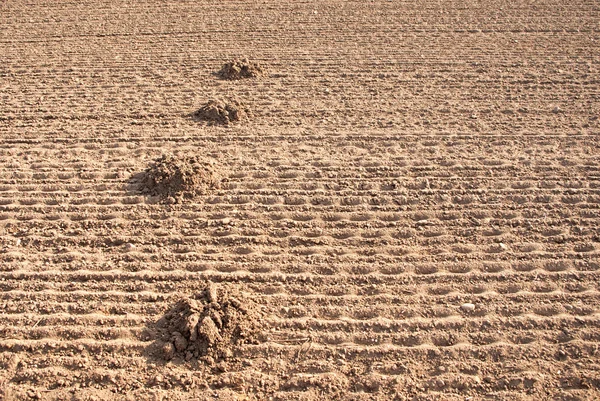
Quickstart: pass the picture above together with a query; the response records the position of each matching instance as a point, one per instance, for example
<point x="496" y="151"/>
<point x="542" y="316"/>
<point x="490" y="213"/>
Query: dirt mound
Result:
<point x="208" y="327"/>
<point x="221" y="112"/>
<point x="175" y="178"/>
<point x="239" y="69"/>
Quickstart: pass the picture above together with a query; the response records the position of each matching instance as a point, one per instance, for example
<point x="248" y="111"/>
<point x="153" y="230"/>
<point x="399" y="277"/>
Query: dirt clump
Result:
<point x="240" y="69"/>
<point x="207" y="327"/>
<point x="221" y="112"/>
<point x="177" y="177"/>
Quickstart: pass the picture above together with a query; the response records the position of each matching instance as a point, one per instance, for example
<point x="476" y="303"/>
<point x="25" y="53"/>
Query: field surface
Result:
<point x="410" y="208"/>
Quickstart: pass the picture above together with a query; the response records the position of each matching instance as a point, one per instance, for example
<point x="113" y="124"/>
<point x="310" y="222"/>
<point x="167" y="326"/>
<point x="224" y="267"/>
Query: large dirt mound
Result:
<point x="207" y="327"/>
<point x="239" y="69"/>
<point x="221" y="112"/>
<point x="175" y="178"/>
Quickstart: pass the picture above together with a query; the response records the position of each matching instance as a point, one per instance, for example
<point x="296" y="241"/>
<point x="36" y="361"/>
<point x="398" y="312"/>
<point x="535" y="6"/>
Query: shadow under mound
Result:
<point x="240" y="69"/>
<point x="207" y="327"/>
<point x="221" y="112"/>
<point x="175" y="178"/>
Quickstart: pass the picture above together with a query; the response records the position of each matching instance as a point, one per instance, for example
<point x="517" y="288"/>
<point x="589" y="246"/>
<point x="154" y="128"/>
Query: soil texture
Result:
<point x="240" y="69"/>
<point x="411" y="212"/>
<point x="208" y="326"/>
<point x="221" y="112"/>
<point x="174" y="178"/>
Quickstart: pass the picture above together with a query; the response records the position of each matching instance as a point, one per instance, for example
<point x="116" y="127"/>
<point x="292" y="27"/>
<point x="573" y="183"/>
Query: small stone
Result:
<point x="209" y="360"/>
<point x="211" y="293"/>
<point x="129" y="247"/>
<point x="179" y="342"/>
<point x="467" y="307"/>
<point x="168" y="351"/>
<point x="222" y="367"/>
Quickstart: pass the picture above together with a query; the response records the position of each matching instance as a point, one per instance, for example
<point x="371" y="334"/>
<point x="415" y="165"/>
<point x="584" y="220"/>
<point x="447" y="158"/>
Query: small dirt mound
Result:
<point x="207" y="327"/>
<point x="220" y="112"/>
<point x="175" y="178"/>
<point x="239" y="69"/>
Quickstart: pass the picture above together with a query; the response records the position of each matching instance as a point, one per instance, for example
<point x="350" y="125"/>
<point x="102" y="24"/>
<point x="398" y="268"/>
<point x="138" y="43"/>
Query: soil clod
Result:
<point x="175" y="178"/>
<point x="221" y="112"/>
<point x="208" y="327"/>
<point x="240" y="69"/>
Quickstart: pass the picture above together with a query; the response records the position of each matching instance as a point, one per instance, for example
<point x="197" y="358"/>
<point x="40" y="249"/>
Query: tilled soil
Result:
<point x="411" y="213"/>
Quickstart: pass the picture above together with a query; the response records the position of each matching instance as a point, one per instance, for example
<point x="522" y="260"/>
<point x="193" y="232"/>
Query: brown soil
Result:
<point x="209" y="326"/>
<point x="411" y="213"/>
<point x="221" y="112"/>
<point x="239" y="69"/>
<point x="176" y="177"/>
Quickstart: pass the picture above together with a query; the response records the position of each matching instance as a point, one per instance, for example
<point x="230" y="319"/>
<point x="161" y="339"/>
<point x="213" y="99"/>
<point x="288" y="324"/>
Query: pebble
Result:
<point x="168" y="351"/>
<point x="211" y="293"/>
<point x="468" y="307"/>
<point x="179" y="342"/>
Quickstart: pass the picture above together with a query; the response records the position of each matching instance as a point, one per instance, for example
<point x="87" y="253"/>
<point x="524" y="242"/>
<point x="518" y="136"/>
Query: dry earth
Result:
<point x="411" y="212"/>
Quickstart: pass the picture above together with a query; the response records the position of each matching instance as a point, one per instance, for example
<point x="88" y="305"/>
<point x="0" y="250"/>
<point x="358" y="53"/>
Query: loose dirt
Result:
<point x="174" y="178"/>
<point x="209" y="326"/>
<point x="240" y="69"/>
<point x="222" y="112"/>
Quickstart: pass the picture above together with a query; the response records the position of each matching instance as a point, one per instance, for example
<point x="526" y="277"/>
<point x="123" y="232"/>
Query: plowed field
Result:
<point x="403" y="200"/>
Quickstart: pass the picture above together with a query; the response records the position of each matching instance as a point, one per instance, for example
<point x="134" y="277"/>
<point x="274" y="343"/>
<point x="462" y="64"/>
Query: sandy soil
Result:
<point x="410" y="210"/>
